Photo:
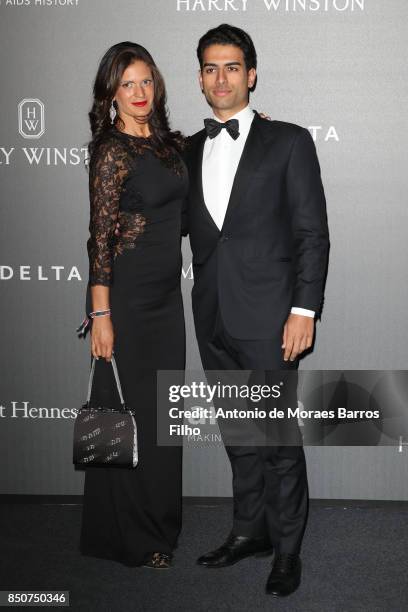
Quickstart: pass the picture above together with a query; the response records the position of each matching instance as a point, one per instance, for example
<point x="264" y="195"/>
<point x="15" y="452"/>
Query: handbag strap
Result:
<point x="116" y="374"/>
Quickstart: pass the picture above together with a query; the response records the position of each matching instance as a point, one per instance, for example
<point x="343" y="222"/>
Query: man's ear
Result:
<point x="251" y="77"/>
<point x="200" y="80"/>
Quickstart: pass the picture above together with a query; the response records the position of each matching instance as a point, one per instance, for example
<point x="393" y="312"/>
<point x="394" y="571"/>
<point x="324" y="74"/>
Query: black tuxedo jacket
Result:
<point x="271" y="253"/>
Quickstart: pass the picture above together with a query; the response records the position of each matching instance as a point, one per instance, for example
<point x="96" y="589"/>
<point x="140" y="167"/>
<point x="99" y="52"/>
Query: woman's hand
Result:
<point x="102" y="337"/>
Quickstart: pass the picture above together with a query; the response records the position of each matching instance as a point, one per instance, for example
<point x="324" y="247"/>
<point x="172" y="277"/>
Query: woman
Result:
<point x="137" y="179"/>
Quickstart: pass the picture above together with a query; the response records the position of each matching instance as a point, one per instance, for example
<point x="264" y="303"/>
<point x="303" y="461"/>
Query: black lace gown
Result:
<point x="129" y="513"/>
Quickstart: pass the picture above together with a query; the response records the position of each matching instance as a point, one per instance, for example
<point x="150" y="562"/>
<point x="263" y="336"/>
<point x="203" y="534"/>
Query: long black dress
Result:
<point x="129" y="513"/>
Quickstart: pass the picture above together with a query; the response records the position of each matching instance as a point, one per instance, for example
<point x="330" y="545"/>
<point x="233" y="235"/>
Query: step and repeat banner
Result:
<point x="336" y="67"/>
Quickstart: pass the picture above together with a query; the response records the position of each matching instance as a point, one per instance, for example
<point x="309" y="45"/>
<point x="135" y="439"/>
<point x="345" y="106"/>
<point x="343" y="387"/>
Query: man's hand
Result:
<point x="297" y="335"/>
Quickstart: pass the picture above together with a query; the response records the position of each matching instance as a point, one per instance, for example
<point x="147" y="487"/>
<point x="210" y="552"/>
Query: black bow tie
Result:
<point x="213" y="127"/>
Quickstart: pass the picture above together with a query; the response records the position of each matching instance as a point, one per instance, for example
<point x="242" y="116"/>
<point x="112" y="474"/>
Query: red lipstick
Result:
<point x="140" y="103"/>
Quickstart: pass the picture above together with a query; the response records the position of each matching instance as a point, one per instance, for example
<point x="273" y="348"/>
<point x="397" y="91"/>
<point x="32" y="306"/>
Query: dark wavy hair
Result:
<point x="111" y="68"/>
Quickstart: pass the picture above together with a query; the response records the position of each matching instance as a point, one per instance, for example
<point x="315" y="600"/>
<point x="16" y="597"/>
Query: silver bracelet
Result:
<point x="99" y="313"/>
<point x="85" y="325"/>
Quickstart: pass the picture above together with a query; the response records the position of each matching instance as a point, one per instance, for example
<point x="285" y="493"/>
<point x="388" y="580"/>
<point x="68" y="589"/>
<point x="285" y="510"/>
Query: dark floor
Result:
<point x="354" y="558"/>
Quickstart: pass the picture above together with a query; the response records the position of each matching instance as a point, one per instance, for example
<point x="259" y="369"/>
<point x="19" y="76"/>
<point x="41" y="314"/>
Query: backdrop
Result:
<point x="337" y="67"/>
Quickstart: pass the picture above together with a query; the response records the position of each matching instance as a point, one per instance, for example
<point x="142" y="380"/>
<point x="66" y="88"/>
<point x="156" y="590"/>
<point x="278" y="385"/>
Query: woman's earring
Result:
<point x="112" y="112"/>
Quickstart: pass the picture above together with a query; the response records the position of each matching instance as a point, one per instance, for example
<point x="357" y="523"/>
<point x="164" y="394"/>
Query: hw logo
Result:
<point x="31" y="118"/>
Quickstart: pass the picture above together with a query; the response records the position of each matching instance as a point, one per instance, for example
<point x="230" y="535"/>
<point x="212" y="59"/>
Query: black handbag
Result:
<point x="105" y="436"/>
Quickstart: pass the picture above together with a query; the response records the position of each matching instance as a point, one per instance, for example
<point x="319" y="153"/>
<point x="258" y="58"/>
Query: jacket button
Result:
<point x="224" y="238"/>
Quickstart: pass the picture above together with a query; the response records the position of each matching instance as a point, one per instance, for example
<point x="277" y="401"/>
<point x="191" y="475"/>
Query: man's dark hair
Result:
<point x="226" y="34"/>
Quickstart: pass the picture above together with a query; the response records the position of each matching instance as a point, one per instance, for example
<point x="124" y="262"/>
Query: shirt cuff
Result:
<point x="302" y="311"/>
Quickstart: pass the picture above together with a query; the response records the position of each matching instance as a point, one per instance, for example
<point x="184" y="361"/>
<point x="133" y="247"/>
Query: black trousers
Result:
<point x="270" y="490"/>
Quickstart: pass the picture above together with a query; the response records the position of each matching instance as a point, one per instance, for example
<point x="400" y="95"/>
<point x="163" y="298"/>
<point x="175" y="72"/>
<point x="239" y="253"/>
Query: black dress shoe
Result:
<point x="284" y="578"/>
<point x="234" y="549"/>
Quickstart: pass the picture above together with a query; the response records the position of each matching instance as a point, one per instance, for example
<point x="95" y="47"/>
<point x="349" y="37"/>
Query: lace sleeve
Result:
<point x="108" y="169"/>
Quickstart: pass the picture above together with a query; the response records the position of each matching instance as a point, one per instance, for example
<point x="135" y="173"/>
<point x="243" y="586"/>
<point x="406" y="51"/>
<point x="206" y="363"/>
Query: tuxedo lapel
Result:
<point x="198" y="179"/>
<point x="251" y="157"/>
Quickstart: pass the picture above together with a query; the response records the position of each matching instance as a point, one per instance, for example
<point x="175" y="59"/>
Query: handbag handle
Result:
<point x="116" y="374"/>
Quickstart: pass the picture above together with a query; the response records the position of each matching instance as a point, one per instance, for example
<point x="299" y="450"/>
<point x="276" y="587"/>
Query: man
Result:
<point x="256" y="217"/>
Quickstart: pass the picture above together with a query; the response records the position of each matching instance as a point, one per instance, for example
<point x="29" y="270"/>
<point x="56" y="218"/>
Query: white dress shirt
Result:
<point x="221" y="157"/>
